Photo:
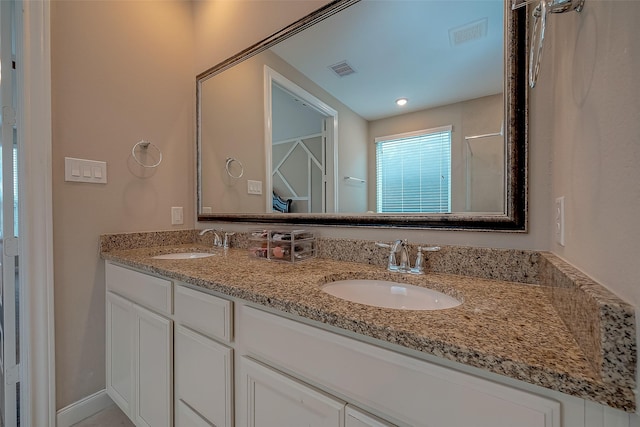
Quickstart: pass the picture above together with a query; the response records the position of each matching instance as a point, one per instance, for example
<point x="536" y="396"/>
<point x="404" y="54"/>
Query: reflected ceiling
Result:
<point x="439" y="40"/>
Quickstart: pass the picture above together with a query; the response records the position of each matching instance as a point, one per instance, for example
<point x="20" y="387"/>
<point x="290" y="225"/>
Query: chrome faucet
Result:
<point x="397" y="247"/>
<point x="399" y="256"/>
<point x="217" y="241"/>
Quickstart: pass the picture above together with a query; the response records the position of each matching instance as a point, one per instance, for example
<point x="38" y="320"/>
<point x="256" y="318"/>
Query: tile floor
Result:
<point x="108" y="417"/>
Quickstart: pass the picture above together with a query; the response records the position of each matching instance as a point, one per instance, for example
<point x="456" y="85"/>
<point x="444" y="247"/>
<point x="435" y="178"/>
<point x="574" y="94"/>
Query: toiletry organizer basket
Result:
<point x="282" y="245"/>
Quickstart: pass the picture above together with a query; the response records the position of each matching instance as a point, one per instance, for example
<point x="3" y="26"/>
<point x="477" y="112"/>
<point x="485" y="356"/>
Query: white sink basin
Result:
<point x="184" y="255"/>
<point x="382" y="293"/>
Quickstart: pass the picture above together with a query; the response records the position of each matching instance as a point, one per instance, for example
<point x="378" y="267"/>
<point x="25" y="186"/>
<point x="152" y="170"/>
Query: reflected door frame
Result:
<point x="10" y="370"/>
<point x="331" y="173"/>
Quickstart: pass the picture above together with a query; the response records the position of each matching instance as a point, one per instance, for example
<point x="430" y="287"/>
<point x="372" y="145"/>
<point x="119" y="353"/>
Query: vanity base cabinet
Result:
<point x="203" y="380"/>
<point x="139" y="332"/>
<point x="171" y="351"/>
<point x="272" y="399"/>
<point x="402" y="389"/>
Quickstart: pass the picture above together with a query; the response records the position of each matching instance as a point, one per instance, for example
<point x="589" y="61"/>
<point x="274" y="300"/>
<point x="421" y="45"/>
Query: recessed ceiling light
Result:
<point x="402" y="101"/>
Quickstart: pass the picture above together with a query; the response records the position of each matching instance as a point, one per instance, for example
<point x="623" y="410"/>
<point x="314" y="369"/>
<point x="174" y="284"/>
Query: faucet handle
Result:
<point x="419" y="265"/>
<point x="226" y="243"/>
<point x="392" y="264"/>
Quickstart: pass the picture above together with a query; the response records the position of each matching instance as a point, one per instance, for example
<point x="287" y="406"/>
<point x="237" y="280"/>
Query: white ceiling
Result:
<point x="402" y="48"/>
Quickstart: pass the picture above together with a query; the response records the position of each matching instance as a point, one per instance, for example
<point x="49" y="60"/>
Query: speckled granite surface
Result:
<point x="114" y="242"/>
<point x="602" y="324"/>
<point x="503" y="326"/>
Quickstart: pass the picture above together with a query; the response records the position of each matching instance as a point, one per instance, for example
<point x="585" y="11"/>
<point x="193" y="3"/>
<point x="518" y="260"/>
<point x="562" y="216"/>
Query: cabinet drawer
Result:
<point x="148" y="291"/>
<point x="204" y="313"/>
<point x="412" y="391"/>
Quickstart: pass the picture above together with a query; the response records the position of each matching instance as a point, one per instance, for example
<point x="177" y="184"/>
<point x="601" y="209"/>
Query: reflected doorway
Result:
<point x="300" y="146"/>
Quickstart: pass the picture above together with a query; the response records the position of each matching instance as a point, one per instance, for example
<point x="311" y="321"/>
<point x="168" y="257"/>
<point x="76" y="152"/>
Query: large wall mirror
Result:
<point x="307" y="126"/>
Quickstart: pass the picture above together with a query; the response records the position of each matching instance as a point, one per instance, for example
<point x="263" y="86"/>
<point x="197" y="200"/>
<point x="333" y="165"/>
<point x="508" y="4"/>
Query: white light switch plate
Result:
<point x="82" y="170"/>
<point x="176" y="215"/>
<point x="254" y="187"/>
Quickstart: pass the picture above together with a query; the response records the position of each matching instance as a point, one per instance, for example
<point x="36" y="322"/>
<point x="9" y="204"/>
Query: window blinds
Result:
<point x="413" y="172"/>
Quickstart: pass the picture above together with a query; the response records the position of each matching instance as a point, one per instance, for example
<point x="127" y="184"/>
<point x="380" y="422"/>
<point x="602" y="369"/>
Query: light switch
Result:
<point x="254" y="187"/>
<point x="81" y="170"/>
<point x="176" y="215"/>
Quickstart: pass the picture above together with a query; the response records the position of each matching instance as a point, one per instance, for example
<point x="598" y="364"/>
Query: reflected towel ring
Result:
<point x="230" y="160"/>
<point x="144" y="145"/>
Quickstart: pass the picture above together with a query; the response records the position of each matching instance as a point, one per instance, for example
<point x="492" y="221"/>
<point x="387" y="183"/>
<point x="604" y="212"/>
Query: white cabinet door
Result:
<point x="187" y="417"/>
<point x="203" y="379"/>
<point x="272" y="399"/>
<point x="153" y="355"/>
<point x="120" y="366"/>
<point x="357" y="418"/>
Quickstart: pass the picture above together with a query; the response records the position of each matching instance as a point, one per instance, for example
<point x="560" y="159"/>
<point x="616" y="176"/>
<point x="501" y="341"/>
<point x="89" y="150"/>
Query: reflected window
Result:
<point x="15" y="187"/>
<point x="413" y="172"/>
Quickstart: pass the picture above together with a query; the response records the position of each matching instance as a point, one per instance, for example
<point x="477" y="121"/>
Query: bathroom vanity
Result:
<point x="233" y="341"/>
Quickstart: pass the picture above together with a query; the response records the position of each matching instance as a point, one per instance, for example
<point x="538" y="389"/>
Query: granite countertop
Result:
<point x="503" y="327"/>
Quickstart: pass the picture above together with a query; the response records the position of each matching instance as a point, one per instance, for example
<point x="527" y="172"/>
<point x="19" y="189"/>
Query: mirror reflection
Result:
<point x="315" y="124"/>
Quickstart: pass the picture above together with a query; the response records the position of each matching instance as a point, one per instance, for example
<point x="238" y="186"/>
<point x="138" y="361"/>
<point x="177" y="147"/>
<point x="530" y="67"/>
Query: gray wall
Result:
<point x="121" y="72"/>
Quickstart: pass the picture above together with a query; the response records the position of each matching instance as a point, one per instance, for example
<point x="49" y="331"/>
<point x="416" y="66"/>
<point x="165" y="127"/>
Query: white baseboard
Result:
<point x="83" y="408"/>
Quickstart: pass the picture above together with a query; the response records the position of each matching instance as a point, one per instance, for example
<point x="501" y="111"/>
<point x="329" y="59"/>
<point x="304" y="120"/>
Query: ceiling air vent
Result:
<point x="472" y="31"/>
<point x="342" y="69"/>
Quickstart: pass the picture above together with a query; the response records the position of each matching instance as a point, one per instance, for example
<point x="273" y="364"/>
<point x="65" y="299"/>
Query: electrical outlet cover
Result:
<point x="558" y="224"/>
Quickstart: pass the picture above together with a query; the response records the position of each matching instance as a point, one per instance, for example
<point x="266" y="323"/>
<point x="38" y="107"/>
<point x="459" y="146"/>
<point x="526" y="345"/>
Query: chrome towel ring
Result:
<point x="143" y="147"/>
<point x="540" y="13"/>
<point x="535" y="53"/>
<point x="227" y="166"/>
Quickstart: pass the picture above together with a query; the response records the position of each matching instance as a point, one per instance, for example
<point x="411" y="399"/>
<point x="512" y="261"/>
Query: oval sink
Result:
<point x="382" y="293"/>
<point x="184" y="255"/>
